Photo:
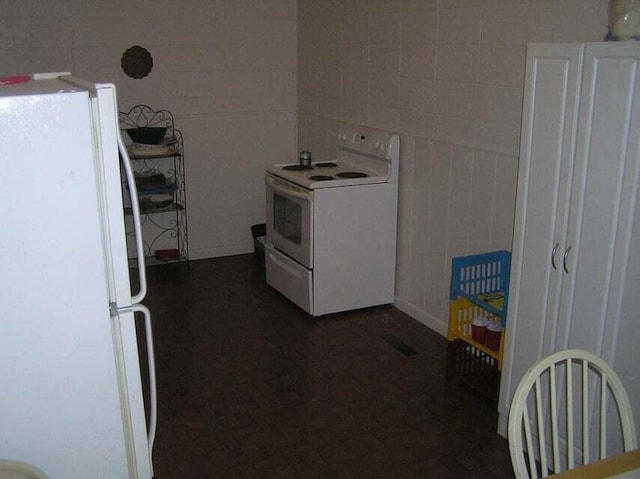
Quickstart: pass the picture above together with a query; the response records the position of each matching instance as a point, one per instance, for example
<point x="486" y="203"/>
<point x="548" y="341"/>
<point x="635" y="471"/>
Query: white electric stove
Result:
<point x="331" y="226"/>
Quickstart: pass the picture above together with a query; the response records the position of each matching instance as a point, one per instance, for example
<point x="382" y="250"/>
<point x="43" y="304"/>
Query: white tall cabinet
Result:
<point x="575" y="277"/>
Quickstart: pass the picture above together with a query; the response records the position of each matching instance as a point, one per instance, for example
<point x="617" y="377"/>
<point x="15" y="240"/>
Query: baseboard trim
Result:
<point x="217" y="252"/>
<point x="421" y="316"/>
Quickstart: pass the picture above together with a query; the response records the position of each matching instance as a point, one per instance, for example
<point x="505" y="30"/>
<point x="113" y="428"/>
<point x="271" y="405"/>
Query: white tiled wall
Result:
<point x="226" y="69"/>
<point x="448" y="75"/>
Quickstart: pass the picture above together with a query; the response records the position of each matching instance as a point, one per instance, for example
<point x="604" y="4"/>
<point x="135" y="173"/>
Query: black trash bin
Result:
<point x="258" y="232"/>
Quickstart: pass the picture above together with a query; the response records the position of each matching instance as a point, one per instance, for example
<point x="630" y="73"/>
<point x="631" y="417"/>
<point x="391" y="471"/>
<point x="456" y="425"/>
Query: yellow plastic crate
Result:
<point x="461" y="314"/>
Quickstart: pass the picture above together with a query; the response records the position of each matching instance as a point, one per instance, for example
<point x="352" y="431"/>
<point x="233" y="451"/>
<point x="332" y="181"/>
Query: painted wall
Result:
<point x="447" y="75"/>
<point x="225" y="68"/>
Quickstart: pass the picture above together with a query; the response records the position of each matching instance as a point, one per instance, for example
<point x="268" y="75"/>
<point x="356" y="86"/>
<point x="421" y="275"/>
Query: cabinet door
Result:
<point x="546" y="161"/>
<point x="603" y="197"/>
<point x="603" y="200"/>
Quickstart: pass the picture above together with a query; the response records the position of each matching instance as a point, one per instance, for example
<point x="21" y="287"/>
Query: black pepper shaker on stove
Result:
<point x="305" y="158"/>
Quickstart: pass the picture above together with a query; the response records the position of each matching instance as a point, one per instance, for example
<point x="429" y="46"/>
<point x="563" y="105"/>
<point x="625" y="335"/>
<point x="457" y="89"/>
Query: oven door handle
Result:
<point x="286" y="191"/>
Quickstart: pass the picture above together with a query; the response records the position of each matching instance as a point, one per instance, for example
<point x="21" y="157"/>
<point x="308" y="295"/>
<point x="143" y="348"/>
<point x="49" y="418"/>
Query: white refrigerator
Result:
<point x="71" y="399"/>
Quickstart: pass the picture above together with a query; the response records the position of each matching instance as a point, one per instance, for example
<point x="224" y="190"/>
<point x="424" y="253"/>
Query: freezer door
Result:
<point x="60" y="407"/>
<point x="109" y="155"/>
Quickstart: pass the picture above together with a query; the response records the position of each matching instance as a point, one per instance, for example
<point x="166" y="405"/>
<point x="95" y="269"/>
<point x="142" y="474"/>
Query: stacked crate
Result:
<point x="480" y="292"/>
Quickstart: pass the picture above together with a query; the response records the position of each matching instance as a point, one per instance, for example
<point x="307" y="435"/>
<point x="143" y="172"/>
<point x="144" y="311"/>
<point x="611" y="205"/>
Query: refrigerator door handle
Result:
<point x="135" y="207"/>
<point x="153" y="396"/>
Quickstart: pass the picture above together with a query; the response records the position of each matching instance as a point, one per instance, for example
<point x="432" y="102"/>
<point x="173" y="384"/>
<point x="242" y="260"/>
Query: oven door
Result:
<point x="289" y="219"/>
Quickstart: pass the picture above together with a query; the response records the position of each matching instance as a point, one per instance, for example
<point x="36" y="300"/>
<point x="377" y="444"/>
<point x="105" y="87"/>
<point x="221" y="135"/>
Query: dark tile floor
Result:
<point x="252" y="387"/>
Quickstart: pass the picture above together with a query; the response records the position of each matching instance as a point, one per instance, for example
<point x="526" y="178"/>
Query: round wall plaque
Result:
<point x="136" y="62"/>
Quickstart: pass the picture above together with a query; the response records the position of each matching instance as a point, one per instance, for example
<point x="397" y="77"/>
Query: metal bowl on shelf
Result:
<point x="148" y="135"/>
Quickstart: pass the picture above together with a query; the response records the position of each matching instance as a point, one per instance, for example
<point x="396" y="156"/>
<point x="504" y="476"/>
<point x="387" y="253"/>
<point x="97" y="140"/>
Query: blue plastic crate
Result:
<point x="479" y="277"/>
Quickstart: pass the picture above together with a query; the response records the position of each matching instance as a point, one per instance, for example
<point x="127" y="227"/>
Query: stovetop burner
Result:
<point x="351" y="174"/>
<point x="332" y="173"/>
<point x="321" y="178"/>
<point x="297" y="167"/>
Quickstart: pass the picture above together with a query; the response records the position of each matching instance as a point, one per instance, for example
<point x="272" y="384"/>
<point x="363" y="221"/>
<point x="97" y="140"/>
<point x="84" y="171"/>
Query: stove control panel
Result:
<point x="378" y="143"/>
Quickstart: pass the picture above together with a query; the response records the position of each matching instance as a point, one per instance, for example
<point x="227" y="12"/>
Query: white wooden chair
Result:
<point x="561" y="408"/>
<point x="19" y="470"/>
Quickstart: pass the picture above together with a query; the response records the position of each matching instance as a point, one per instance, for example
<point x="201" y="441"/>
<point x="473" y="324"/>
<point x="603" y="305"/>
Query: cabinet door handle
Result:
<point x="553" y="256"/>
<point x="564" y="260"/>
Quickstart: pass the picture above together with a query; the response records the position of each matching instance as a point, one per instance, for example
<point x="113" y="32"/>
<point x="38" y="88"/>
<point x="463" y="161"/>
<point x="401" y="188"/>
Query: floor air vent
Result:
<point x="399" y="345"/>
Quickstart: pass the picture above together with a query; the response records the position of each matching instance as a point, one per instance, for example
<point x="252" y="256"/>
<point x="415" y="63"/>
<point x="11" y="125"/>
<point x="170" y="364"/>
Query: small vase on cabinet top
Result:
<point x="624" y="20"/>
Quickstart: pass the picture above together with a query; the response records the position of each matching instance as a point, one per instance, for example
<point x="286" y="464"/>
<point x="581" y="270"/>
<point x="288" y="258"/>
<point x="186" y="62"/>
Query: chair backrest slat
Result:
<point x="554" y="419"/>
<point x="542" y="439"/>
<point x="585" y="413"/>
<point x="603" y="416"/>
<point x="571" y="463"/>
<point x="527" y="432"/>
